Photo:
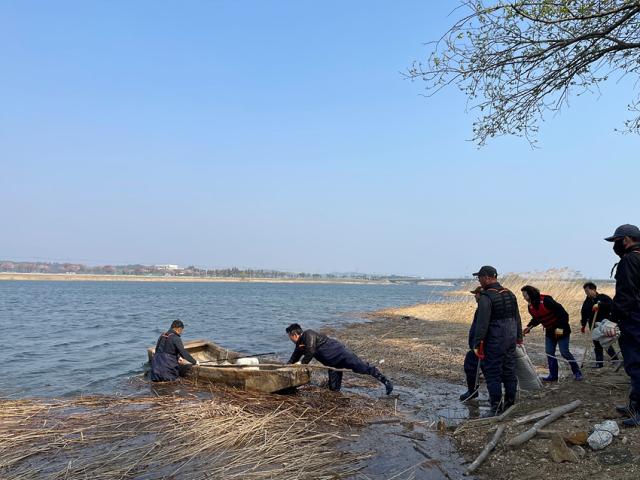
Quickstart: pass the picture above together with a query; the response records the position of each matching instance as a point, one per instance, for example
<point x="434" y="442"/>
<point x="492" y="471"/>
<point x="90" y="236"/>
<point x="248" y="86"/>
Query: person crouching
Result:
<point x="555" y="320"/>
<point x="165" y="366"/>
<point x="331" y="353"/>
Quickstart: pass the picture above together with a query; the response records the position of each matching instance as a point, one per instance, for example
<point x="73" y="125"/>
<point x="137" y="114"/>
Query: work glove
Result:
<point x="559" y="332"/>
<point x="197" y="363"/>
<point x="595" y="308"/>
<point x="583" y="329"/>
<point x="526" y="331"/>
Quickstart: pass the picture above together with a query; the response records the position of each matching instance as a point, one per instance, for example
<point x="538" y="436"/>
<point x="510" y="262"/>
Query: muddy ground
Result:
<point x="424" y="358"/>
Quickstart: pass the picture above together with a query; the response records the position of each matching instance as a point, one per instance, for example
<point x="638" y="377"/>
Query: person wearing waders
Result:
<point x="331" y="353"/>
<point x="470" y="359"/>
<point x="498" y="330"/>
<point x="555" y="320"/>
<point x="625" y="312"/>
<point x="596" y="305"/>
<point x="165" y="365"/>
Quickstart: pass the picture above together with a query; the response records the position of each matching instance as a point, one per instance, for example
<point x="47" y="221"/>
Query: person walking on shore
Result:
<point x="555" y="320"/>
<point x="331" y="353"/>
<point x="596" y="306"/>
<point x="626" y="312"/>
<point x="498" y="329"/>
<point x="165" y="366"/>
<point x="471" y="360"/>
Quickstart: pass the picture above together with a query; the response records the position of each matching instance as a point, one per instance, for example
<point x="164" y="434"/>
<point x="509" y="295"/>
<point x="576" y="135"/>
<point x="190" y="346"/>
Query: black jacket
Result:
<point x="627" y="298"/>
<point x="309" y="345"/>
<point x="604" y="311"/>
<point x="484" y="314"/>
<point x="562" y="317"/>
<point x="171" y="343"/>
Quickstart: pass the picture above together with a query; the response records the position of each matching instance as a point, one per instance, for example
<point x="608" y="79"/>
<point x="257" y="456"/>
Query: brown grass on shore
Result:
<point x="460" y="305"/>
<point x="237" y="436"/>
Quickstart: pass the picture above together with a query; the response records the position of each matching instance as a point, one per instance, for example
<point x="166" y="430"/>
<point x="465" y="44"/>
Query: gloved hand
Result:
<point x="595" y="308"/>
<point x="480" y="351"/>
<point x="526" y="331"/>
<point x="583" y="329"/>
<point x="197" y="363"/>
<point x="519" y="341"/>
<point x="559" y="332"/>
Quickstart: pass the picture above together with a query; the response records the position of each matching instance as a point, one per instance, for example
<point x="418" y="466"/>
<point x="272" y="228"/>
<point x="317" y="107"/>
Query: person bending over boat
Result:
<point x="165" y="365"/>
<point x="331" y="353"/>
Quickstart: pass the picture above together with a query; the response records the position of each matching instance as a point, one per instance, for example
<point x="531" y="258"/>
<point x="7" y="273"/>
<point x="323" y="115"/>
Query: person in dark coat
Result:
<point x="498" y="330"/>
<point x="555" y="320"/>
<point x="470" y="359"/>
<point x="165" y="365"/>
<point x="596" y="305"/>
<point x="625" y="312"/>
<point x="332" y="353"/>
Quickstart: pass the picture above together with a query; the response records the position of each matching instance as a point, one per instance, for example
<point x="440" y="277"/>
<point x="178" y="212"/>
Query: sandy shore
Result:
<point x="62" y="277"/>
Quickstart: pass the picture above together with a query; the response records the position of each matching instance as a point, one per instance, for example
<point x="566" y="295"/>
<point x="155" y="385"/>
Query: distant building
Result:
<point x="167" y="267"/>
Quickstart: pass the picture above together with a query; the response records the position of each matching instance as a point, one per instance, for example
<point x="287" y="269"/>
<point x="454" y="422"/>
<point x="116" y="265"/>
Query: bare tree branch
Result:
<point x="517" y="60"/>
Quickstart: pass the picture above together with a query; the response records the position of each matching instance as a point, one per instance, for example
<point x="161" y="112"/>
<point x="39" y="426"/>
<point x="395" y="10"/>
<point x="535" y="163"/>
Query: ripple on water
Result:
<point x="87" y="337"/>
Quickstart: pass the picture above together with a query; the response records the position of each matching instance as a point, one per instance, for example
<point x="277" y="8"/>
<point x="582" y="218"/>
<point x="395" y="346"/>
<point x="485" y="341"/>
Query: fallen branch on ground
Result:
<point x="556" y="413"/>
<point x="485" y="452"/>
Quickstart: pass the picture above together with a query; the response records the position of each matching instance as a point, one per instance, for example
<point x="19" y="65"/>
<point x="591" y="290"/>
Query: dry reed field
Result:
<point x="234" y="435"/>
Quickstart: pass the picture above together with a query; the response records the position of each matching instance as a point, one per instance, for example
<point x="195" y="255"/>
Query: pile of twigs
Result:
<point x="233" y="437"/>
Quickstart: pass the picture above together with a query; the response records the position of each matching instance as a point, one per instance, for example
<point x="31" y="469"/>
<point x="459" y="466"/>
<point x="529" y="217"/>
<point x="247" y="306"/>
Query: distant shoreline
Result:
<point x="78" y="277"/>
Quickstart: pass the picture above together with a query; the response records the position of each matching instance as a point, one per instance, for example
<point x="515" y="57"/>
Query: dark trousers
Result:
<point x="349" y="360"/>
<point x="471" y="370"/>
<point x="630" y="347"/>
<point x="599" y="353"/>
<point x="550" y="344"/>
<point x="499" y="364"/>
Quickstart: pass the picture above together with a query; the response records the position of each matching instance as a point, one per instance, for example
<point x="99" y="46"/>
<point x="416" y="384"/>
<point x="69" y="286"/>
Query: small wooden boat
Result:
<point x="221" y="365"/>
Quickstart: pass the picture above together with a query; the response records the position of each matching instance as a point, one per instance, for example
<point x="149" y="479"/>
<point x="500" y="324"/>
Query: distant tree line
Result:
<point x="162" y="270"/>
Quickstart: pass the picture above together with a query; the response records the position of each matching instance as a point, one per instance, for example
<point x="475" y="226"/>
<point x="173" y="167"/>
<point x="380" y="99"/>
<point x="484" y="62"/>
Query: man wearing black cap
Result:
<point x="471" y="360"/>
<point x="626" y="311"/>
<point x="498" y="330"/>
<point x="165" y="365"/>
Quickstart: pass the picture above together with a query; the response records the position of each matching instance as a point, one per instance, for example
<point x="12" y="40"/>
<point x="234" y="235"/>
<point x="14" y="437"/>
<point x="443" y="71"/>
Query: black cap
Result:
<point x="486" y="271"/>
<point x="622" y="231"/>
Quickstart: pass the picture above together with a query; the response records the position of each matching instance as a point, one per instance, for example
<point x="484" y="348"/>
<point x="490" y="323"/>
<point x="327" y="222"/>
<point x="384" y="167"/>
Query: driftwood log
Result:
<point x="555" y="414"/>
<point x="486" y="451"/>
<point x="531" y="417"/>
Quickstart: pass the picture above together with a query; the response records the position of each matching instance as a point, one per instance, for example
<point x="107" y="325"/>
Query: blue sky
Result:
<point x="281" y="134"/>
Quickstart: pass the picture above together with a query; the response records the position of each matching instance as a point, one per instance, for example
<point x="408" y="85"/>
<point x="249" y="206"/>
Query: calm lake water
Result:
<point x="68" y="338"/>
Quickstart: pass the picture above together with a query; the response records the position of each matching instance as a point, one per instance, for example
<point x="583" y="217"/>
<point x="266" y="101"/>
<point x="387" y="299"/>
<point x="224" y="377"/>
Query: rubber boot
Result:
<point x="494" y="409"/>
<point x="599" y="359"/>
<point x="634" y="415"/>
<point x="388" y="385"/>
<point x="509" y="401"/>
<point x="575" y="369"/>
<point x="472" y="389"/>
<point x="469" y="395"/>
<point x="553" y="370"/>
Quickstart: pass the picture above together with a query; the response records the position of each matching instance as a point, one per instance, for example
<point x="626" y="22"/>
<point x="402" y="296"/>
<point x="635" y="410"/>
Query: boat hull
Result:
<point x="259" y="378"/>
